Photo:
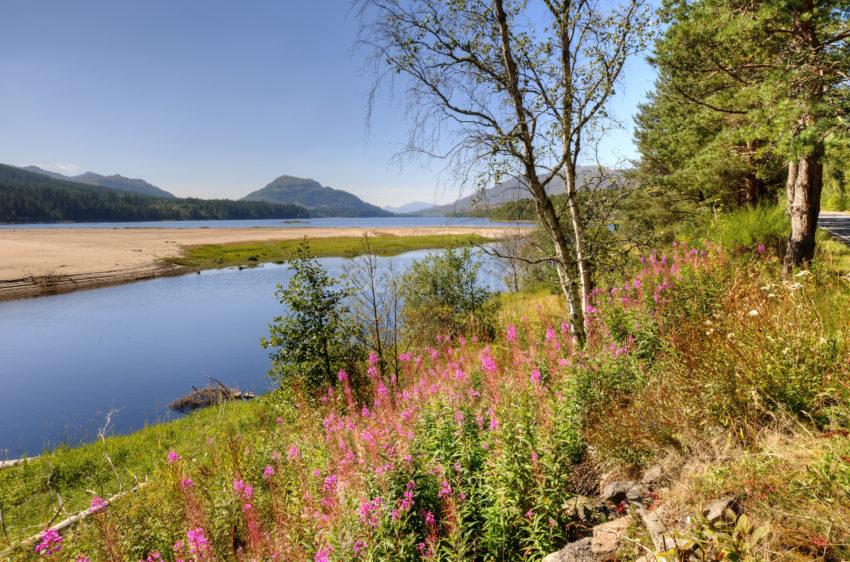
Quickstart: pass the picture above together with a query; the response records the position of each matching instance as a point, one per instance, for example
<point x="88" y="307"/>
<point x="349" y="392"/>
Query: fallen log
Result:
<point x="14" y="462"/>
<point x="77" y="517"/>
<point x="208" y="396"/>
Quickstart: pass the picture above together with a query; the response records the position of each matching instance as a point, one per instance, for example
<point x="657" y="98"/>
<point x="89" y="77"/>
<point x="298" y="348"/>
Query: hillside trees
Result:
<point x="691" y="159"/>
<point x="777" y="73"/>
<point x="516" y="88"/>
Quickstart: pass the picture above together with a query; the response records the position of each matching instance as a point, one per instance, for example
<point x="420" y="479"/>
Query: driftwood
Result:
<point x="13" y="462"/>
<point x="77" y="517"/>
<point x="208" y="396"/>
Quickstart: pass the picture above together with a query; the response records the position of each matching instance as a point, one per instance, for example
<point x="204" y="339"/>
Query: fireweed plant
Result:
<point x="471" y="452"/>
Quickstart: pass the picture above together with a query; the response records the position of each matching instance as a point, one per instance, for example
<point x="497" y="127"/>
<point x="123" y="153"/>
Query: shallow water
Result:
<point x="66" y="360"/>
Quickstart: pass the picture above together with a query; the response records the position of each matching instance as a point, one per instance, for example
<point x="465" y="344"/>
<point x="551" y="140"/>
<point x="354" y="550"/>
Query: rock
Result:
<point x="579" y="551"/>
<point x="615" y="493"/>
<point x="637" y="493"/>
<point x="606" y="537"/>
<point x="716" y="510"/>
<point x="655" y="527"/>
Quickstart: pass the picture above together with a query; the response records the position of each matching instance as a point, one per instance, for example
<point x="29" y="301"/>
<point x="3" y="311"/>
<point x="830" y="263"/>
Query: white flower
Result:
<point x="753" y="312"/>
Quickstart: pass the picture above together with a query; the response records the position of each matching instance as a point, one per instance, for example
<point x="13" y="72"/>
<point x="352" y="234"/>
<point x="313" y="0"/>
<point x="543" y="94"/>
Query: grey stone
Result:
<point x="637" y="493"/>
<point x="655" y="527"/>
<point x="579" y="551"/>
<point x="607" y="537"/>
<point x="716" y="510"/>
<point x="616" y="492"/>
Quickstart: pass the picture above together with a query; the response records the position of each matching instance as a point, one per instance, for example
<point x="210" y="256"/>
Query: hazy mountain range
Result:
<point x="316" y="198"/>
<point x="310" y="196"/>
<point x="114" y="181"/>
<point x="508" y="191"/>
<point x="412" y="207"/>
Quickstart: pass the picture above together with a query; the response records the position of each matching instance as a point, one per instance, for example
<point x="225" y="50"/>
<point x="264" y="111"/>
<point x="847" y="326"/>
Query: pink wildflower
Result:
<point x="243" y="489"/>
<point x="172" y="457"/>
<point x="323" y="554"/>
<point x="535" y="376"/>
<point x="186" y="483"/>
<point x="761" y="249"/>
<point x="198" y="543"/>
<point x="329" y="484"/>
<point x="494" y="422"/>
<point x="429" y="519"/>
<point x="342" y="376"/>
<point x="359" y="545"/>
<point x="370" y="511"/>
<point x="445" y="489"/>
<point x="294" y="453"/>
<point x="512" y="333"/>
<point x="487" y="362"/>
<point x="50" y="543"/>
<point x="268" y="472"/>
<point x="97" y="504"/>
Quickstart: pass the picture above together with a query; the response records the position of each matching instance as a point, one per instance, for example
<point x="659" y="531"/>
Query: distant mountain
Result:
<point x="508" y="191"/>
<point x="27" y="196"/>
<point x="318" y="199"/>
<point x="412" y="207"/>
<point x="115" y="181"/>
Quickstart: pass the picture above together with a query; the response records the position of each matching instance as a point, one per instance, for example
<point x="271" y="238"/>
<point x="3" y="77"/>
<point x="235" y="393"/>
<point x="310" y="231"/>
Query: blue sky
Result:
<point x="213" y="98"/>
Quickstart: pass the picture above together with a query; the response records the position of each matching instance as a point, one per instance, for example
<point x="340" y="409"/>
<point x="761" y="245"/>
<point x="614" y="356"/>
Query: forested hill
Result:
<point x="115" y="181"/>
<point x="30" y="197"/>
<point x="321" y="201"/>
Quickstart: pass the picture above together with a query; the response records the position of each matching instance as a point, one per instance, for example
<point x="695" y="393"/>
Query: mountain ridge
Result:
<point x="114" y="181"/>
<point x="510" y="190"/>
<point x="27" y="196"/>
<point x="412" y="207"/>
<point x="318" y="199"/>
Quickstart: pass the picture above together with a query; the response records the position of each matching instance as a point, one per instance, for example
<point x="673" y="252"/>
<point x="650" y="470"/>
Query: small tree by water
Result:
<point x="442" y="297"/>
<point x="313" y="340"/>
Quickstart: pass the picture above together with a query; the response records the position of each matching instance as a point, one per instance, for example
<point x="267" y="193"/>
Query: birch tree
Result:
<point x="511" y="88"/>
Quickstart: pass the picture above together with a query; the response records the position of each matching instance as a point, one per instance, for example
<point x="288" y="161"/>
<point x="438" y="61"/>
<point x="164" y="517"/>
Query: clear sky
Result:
<point x="212" y="98"/>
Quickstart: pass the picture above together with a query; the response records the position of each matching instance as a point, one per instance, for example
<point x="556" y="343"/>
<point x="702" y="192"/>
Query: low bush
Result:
<point x="442" y="295"/>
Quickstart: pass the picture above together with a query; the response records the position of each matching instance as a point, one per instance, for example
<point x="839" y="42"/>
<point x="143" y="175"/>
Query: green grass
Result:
<point x="212" y="256"/>
<point x="29" y="492"/>
<point x="832" y="254"/>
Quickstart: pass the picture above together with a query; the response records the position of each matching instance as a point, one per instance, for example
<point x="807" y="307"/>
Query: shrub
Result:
<point x="442" y="296"/>
<point x="313" y="339"/>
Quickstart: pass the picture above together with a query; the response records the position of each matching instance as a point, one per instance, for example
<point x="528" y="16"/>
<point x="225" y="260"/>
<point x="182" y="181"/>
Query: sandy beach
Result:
<point x="46" y="261"/>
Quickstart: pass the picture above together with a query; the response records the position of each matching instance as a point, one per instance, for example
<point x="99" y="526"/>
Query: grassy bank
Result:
<point x="30" y="492"/>
<point x="247" y="254"/>
<point x="704" y="359"/>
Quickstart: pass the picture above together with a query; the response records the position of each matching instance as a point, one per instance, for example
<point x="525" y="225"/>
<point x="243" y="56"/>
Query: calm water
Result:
<point x="66" y="360"/>
<point x="378" y="222"/>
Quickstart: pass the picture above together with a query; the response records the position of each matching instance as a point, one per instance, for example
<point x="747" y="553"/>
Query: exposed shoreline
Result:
<point x="37" y="262"/>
